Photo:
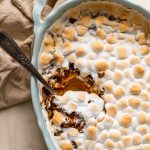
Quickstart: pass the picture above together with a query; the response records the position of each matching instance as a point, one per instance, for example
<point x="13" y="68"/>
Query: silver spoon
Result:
<point x="11" y="47"/>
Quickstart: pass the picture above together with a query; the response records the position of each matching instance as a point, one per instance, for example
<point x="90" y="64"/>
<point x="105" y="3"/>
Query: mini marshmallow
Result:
<point x="66" y="145"/>
<point x="124" y="131"/>
<point x="101" y="20"/>
<point x="80" y="51"/>
<point x="145" y="106"/>
<point x="119" y="145"/>
<point x="102" y="65"/>
<point x="142" y="117"/>
<point x="147" y="60"/>
<point x="115" y="135"/>
<point x="67" y="48"/>
<point x="147" y="147"/>
<point x="146" y="138"/>
<point x="91" y="132"/>
<point x="117" y="76"/>
<point x="58" y="57"/>
<point x="141" y="38"/>
<point x="97" y="46"/>
<point x="69" y="33"/>
<point x="111" y="39"/>
<point x="81" y="30"/>
<point x="136" y="138"/>
<point x="109" y="47"/>
<point x="134" y="102"/>
<point x="85" y="21"/>
<point x="72" y="132"/>
<point x="101" y="33"/>
<point x="134" y="60"/>
<point x="73" y="106"/>
<point x="145" y="95"/>
<point x="111" y="109"/>
<point x="79" y="63"/>
<point x="138" y="71"/>
<point x="122" y="52"/>
<point x="57" y="118"/>
<point x="45" y="58"/>
<point x="125" y="120"/>
<point x="121" y="36"/>
<point x="122" y="103"/>
<point x="119" y="91"/>
<point x="123" y="64"/>
<point x="109" y="144"/>
<point x="71" y="58"/>
<point x="109" y="98"/>
<point x="98" y="146"/>
<point x="126" y="140"/>
<point x="90" y="144"/>
<point x="81" y="96"/>
<point x="131" y="39"/>
<point x="109" y="85"/>
<point x="142" y="129"/>
<point x="108" y="122"/>
<point x="144" y="50"/>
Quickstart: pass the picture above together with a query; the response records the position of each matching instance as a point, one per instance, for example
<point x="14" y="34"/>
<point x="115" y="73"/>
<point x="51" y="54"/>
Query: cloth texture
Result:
<point x="16" y="19"/>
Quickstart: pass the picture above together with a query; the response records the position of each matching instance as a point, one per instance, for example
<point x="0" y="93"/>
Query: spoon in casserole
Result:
<point x="11" y="47"/>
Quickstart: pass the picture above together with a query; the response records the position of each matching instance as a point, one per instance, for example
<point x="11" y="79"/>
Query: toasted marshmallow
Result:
<point x="126" y="140"/>
<point x="138" y="71"/>
<point x="134" y="102"/>
<point x="45" y="58"/>
<point x="119" y="91"/>
<point x="71" y="58"/>
<point x="117" y="76"/>
<point x="57" y="118"/>
<point x="145" y="106"/>
<point x="108" y="86"/>
<point x="122" y="52"/>
<point x="136" y="138"/>
<point x="69" y="33"/>
<point x="135" y="89"/>
<point x="142" y="117"/>
<point x="144" y="50"/>
<point x="122" y="103"/>
<point x="97" y="46"/>
<point x="142" y="129"/>
<point x="72" y="132"/>
<point x="81" y="30"/>
<point x="125" y="120"/>
<point x="147" y="60"/>
<point x="111" y="39"/>
<point x="109" y="47"/>
<point x="134" y="60"/>
<point x="109" y="144"/>
<point x="111" y="109"/>
<point x="108" y="122"/>
<point x="146" y="138"/>
<point x="91" y="133"/>
<point x="66" y="145"/>
<point x="102" y="65"/>
<point x="101" y="33"/>
<point x="80" y="51"/>
<point x="101" y="20"/>
<point x="115" y="135"/>
<point x="58" y="57"/>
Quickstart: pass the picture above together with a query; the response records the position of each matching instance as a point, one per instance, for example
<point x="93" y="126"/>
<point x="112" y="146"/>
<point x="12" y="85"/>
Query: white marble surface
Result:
<point x="18" y="125"/>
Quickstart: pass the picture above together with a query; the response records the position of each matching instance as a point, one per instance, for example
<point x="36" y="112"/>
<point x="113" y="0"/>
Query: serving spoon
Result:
<point x="11" y="47"/>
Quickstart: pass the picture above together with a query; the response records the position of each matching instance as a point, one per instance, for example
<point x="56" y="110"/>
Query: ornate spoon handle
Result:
<point x="11" y="47"/>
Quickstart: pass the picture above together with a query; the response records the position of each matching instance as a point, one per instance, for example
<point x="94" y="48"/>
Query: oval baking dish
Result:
<point x="40" y="27"/>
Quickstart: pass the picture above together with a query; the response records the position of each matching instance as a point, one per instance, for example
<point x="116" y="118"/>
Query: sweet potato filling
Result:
<point x="70" y="79"/>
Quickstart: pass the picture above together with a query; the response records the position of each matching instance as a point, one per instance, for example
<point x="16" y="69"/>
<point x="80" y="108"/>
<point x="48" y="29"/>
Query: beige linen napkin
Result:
<point x="16" y="19"/>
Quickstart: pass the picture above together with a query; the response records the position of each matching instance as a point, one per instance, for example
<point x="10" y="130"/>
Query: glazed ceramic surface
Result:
<point x="40" y="26"/>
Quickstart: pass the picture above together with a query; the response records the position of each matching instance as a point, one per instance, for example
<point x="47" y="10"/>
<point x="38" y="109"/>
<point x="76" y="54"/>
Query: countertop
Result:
<point x="18" y="124"/>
